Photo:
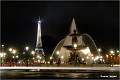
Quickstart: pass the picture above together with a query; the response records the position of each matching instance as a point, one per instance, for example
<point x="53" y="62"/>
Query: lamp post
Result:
<point x="99" y="50"/>
<point x="107" y="58"/>
<point x="14" y="52"/>
<point x="2" y="58"/>
<point x="10" y="50"/>
<point x="112" y="56"/>
<point x="33" y="54"/>
<point x="58" y="54"/>
<point x="26" y="48"/>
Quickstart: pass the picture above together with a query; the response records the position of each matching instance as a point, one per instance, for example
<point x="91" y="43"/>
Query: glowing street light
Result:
<point x="82" y="59"/>
<point x="33" y="52"/>
<point x="17" y="56"/>
<point x="107" y="56"/>
<point x="117" y="51"/>
<point x="14" y="51"/>
<point x="27" y="48"/>
<point x="51" y="57"/>
<point x="99" y="50"/>
<point x="101" y="57"/>
<point x="40" y="57"/>
<point x="1" y="55"/>
<point x="10" y="49"/>
<point x="2" y="45"/>
<point x="111" y="51"/>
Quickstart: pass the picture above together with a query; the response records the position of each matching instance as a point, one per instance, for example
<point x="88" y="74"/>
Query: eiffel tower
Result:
<point x="39" y="50"/>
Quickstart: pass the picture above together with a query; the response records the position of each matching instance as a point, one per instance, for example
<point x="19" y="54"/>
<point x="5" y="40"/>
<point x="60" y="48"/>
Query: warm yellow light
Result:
<point x="33" y="52"/>
<point x="87" y="57"/>
<point x="82" y="59"/>
<point x="14" y="51"/>
<point x="38" y="56"/>
<point x="99" y="50"/>
<point x="17" y="56"/>
<point x="97" y="57"/>
<point x="57" y="52"/>
<point x="27" y="48"/>
<point x="10" y="49"/>
<point x="50" y="57"/>
<point x="111" y="51"/>
<point x="75" y="45"/>
<point x="62" y="57"/>
<point x="92" y="57"/>
<point x="1" y="54"/>
<point x="106" y="55"/>
<point x="101" y="57"/>
<point x="2" y="45"/>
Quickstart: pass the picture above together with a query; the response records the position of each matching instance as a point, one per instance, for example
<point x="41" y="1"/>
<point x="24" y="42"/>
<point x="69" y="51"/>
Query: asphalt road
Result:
<point x="59" y="74"/>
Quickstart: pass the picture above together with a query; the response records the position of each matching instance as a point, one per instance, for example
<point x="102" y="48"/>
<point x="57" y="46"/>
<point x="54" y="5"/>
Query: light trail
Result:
<point x="65" y="68"/>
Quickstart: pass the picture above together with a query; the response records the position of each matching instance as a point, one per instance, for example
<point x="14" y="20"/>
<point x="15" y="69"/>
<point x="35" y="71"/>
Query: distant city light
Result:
<point x="111" y="51"/>
<point x="27" y="48"/>
<point x="14" y="51"/>
<point x="97" y="57"/>
<point x="50" y="57"/>
<point x="2" y="45"/>
<point x="48" y="62"/>
<point x="16" y="56"/>
<point x="92" y="57"/>
<point x="99" y="50"/>
<point x="101" y="57"/>
<point x="40" y="57"/>
<point x="10" y="49"/>
<point x="1" y="55"/>
<point x="33" y="52"/>
<point x="117" y="51"/>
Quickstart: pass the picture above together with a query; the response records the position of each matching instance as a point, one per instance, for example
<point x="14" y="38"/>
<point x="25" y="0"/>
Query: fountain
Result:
<point x="76" y="48"/>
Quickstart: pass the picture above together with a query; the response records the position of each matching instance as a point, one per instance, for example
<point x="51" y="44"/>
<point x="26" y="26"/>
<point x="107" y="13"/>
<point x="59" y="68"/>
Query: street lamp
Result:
<point x="111" y="51"/>
<point x="10" y="49"/>
<point x="51" y="57"/>
<point x="99" y="50"/>
<point x="14" y="51"/>
<point x="33" y="52"/>
<point x="112" y="55"/>
<point x="27" y="48"/>
<point x="27" y="54"/>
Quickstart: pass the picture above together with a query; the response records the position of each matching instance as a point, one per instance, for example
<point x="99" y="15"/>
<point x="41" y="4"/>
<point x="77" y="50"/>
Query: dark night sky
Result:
<point x="98" y="19"/>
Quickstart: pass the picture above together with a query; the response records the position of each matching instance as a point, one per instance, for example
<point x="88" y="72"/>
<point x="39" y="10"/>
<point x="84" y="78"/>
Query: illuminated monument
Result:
<point x="76" y="48"/>
<point x="39" y="50"/>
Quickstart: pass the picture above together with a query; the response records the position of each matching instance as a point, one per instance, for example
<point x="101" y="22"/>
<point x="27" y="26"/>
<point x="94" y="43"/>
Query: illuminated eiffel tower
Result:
<point x="39" y="50"/>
